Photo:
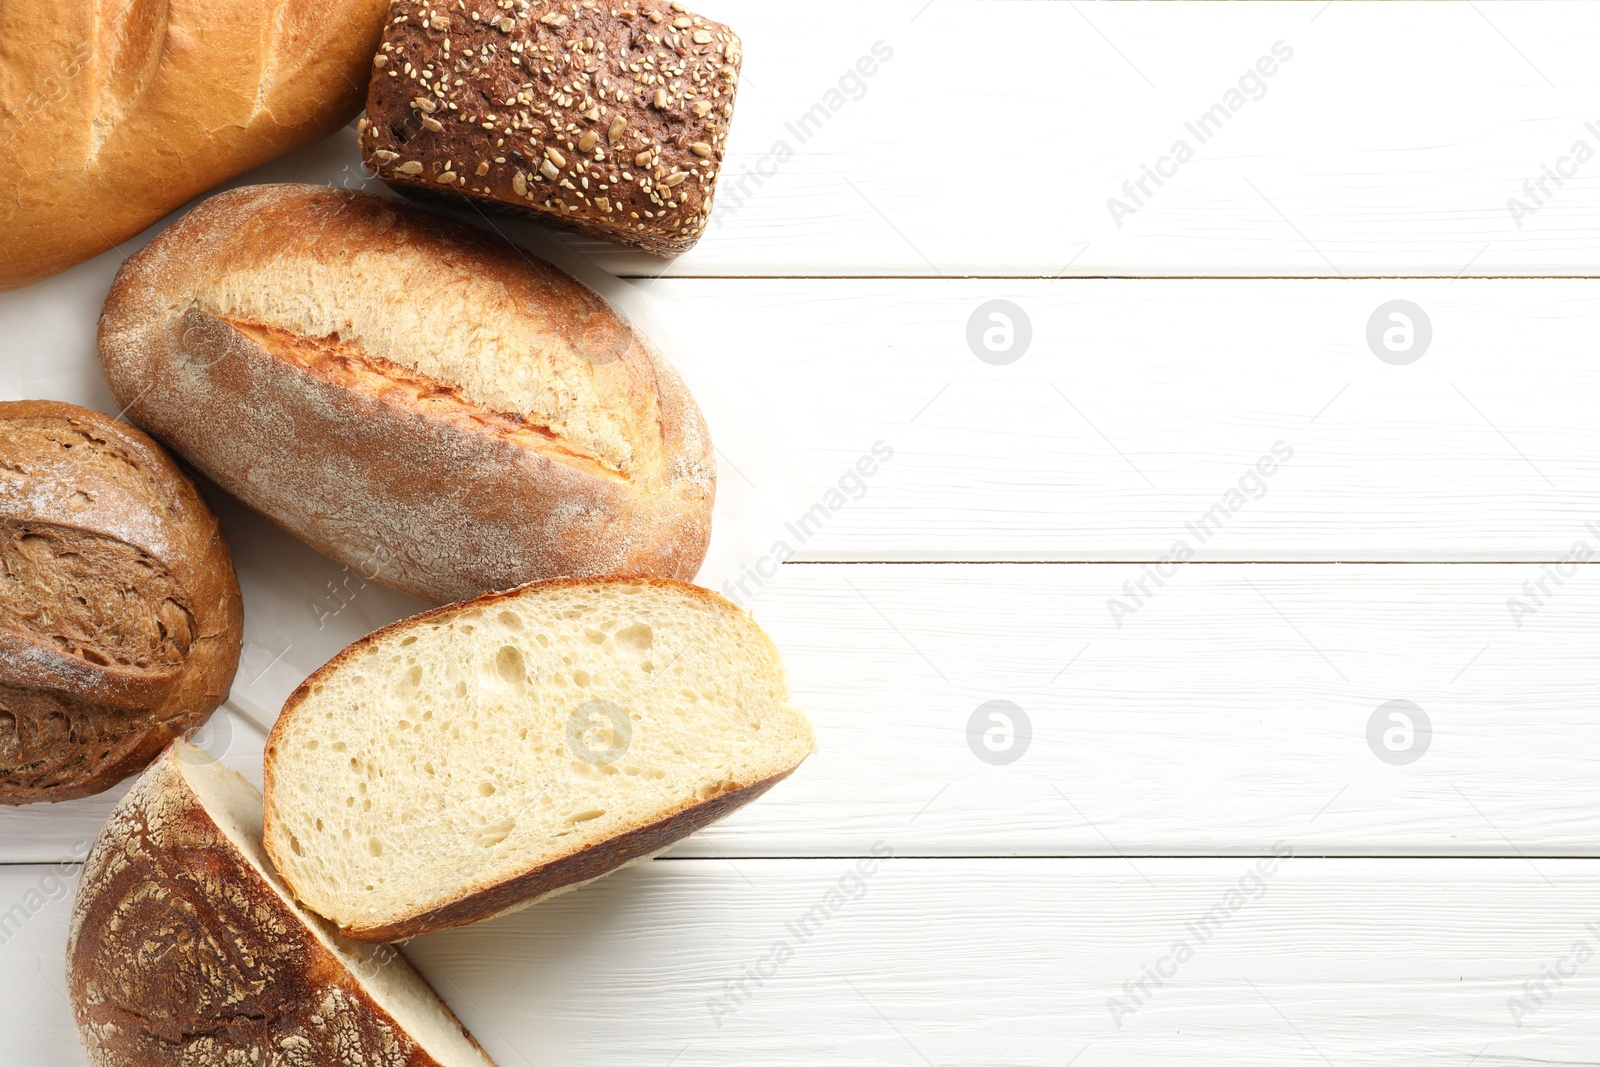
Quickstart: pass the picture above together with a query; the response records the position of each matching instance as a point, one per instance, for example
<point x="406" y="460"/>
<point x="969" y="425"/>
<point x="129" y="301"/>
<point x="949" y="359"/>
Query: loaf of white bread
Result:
<point x="115" y="112"/>
<point x="473" y="759"/>
<point x="419" y="400"/>
<point x="186" y="950"/>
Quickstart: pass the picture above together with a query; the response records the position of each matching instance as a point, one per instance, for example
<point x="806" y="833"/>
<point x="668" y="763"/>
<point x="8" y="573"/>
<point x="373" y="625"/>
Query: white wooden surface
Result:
<point x="1229" y="711"/>
<point x="1232" y="708"/>
<point x="1345" y="962"/>
<point x="1389" y="143"/>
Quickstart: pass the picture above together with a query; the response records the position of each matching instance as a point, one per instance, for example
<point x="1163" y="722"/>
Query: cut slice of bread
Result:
<point x="185" y="948"/>
<point x="471" y="760"/>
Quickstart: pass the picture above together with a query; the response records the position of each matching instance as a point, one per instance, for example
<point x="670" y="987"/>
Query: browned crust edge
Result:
<point x="477" y="905"/>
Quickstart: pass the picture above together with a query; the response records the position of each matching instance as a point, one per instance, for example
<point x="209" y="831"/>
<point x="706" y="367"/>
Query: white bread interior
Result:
<point x="452" y="752"/>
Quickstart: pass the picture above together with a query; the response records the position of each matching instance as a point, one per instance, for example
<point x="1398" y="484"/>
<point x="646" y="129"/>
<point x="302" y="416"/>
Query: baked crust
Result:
<point x="475" y="903"/>
<point x="180" y="953"/>
<point x="120" y="615"/>
<point x="608" y="119"/>
<point x="436" y="487"/>
<point x="115" y="112"/>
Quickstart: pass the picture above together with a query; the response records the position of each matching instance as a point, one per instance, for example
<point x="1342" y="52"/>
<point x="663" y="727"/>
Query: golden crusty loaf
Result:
<point x="473" y="759"/>
<point x="417" y="399"/>
<point x="120" y="618"/>
<point x="115" y="112"/>
<point x="186" y="950"/>
<point x="607" y="119"/>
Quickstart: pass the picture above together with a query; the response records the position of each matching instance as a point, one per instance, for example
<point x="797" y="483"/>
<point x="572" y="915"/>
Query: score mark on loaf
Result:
<point x="408" y="395"/>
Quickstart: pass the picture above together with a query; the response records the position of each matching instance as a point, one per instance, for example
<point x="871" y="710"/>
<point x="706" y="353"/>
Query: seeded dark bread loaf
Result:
<point x="115" y="112"/>
<point x="120" y="618"/>
<point x="421" y="401"/>
<point x="186" y="950"/>
<point x="609" y="118"/>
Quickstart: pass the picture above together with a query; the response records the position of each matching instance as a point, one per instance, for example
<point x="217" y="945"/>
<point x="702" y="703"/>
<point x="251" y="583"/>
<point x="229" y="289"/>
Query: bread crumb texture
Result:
<point x="184" y="949"/>
<point x="435" y="768"/>
<point x="119" y="610"/>
<point x="607" y="118"/>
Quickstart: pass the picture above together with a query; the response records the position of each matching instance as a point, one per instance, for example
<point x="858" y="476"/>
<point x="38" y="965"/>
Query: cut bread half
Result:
<point x="186" y="949"/>
<point x="471" y="760"/>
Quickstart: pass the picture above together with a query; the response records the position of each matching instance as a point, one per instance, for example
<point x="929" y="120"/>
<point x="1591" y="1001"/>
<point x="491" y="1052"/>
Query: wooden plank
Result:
<point x="1231" y="707"/>
<point x="1141" y="405"/>
<point x="1137" y="407"/>
<point x="991" y="137"/>
<point x="904" y="961"/>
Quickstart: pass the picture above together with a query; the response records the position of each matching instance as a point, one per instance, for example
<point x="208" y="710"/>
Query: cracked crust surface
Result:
<point x="414" y="398"/>
<point x="120" y="616"/>
<point x="184" y="950"/>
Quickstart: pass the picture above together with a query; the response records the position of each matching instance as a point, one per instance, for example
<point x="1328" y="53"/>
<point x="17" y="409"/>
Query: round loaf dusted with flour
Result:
<point x="186" y="950"/>
<point x="120" y="618"/>
<point x="421" y="401"/>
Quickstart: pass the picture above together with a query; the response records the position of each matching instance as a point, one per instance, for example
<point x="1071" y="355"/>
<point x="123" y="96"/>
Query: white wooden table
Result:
<point x="1198" y="847"/>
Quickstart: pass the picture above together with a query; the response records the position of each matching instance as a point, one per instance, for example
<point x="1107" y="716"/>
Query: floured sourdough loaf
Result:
<point x="606" y="118"/>
<point x="186" y="950"/>
<point x="120" y="618"/>
<point x="421" y="401"/>
<point x="471" y="760"/>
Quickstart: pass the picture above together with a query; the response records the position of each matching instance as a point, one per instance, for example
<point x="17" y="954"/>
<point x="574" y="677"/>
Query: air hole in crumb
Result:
<point x="637" y="638"/>
<point x="511" y="620"/>
<point x="508" y="662"/>
<point x="580" y="678"/>
<point x="595" y="637"/>
<point x="585" y="816"/>
<point x="486" y="789"/>
<point x="375" y="846"/>
<point x="497" y="832"/>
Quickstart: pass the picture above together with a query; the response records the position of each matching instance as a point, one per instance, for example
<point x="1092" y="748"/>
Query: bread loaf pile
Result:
<point x="418" y="400"/>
